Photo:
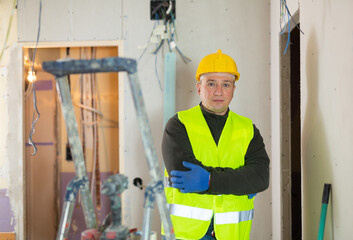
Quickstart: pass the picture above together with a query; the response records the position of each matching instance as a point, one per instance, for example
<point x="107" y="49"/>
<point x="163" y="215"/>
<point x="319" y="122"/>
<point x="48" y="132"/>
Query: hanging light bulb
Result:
<point x="31" y="77"/>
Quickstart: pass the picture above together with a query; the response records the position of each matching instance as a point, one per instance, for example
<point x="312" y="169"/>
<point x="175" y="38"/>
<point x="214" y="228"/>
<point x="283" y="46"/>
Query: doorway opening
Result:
<point x="96" y="102"/>
<point x="291" y="133"/>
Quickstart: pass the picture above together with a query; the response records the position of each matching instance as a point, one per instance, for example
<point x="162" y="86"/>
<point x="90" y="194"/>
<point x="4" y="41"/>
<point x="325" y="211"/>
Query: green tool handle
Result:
<point x="325" y="199"/>
<point x="322" y="221"/>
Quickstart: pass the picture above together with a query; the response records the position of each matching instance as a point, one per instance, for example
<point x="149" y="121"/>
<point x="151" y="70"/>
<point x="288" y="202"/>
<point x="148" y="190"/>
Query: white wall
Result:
<point x="326" y="91"/>
<point x="68" y="20"/>
<point x="11" y="121"/>
<point x="240" y="29"/>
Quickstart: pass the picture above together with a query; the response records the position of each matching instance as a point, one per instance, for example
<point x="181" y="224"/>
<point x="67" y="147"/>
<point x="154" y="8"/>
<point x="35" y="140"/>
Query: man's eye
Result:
<point x="211" y="84"/>
<point x="226" y="85"/>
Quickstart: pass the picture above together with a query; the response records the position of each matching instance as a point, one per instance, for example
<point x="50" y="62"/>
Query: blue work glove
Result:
<point x="251" y="196"/>
<point x="195" y="180"/>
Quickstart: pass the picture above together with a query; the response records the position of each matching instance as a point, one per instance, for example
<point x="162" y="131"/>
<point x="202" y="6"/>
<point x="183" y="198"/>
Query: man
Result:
<point x="216" y="160"/>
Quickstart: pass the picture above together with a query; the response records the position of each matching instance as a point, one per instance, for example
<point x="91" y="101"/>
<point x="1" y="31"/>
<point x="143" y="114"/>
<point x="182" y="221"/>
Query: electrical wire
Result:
<point x="89" y="108"/>
<point x="98" y="112"/>
<point x="115" y="124"/>
<point x="169" y="10"/>
<point x="173" y="33"/>
<point x="8" y="29"/>
<point x="156" y="71"/>
<point x="164" y="16"/>
<point x="155" y="52"/>
<point x="283" y="14"/>
<point x="148" y="41"/>
<point x="82" y="115"/>
<point x="100" y="107"/>
<point x="288" y="39"/>
<point x="185" y="58"/>
<point x="95" y="177"/>
<point x="290" y="15"/>
<point x="160" y="6"/>
<point x="174" y="27"/>
<point x="168" y="36"/>
<point x="35" y="110"/>
<point x="159" y="46"/>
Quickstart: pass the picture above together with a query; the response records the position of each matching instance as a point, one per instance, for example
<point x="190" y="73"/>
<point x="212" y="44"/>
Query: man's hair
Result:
<point x="218" y="73"/>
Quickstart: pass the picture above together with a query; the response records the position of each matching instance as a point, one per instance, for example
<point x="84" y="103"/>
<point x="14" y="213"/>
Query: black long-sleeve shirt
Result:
<point x="253" y="177"/>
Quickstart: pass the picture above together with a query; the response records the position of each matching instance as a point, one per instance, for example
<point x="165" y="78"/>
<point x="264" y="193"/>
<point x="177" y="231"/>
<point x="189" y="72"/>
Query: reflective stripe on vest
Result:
<point x="190" y="212"/>
<point x="233" y="217"/>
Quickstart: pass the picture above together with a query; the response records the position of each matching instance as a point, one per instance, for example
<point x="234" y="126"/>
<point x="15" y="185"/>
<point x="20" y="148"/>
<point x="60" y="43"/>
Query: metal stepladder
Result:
<point x="61" y="69"/>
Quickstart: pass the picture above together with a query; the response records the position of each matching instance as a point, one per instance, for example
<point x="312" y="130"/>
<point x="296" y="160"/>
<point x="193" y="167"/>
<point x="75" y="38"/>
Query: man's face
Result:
<point x="216" y="91"/>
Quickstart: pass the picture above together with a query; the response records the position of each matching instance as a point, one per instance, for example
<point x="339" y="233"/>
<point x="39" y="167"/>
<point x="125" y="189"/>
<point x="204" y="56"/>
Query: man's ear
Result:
<point x="198" y="87"/>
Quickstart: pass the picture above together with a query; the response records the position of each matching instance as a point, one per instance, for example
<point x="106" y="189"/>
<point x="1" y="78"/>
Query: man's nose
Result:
<point x="218" y="90"/>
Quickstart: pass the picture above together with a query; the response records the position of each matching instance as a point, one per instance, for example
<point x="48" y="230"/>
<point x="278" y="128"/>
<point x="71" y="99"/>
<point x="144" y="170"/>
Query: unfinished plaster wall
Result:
<point x="238" y="28"/>
<point x="326" y="90"/>
<point x="70" y="20"/>
<point x="11" y="128"/>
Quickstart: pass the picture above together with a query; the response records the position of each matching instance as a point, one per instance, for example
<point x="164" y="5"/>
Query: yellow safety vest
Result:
<point x="191" y="213"/>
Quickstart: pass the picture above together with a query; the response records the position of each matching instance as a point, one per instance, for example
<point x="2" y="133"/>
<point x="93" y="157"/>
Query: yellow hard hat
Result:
<point x="217" y="62"/>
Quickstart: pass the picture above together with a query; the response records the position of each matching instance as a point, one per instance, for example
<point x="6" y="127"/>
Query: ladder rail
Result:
<point x="67" y="107"/>
<point x="60" y="69"/>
